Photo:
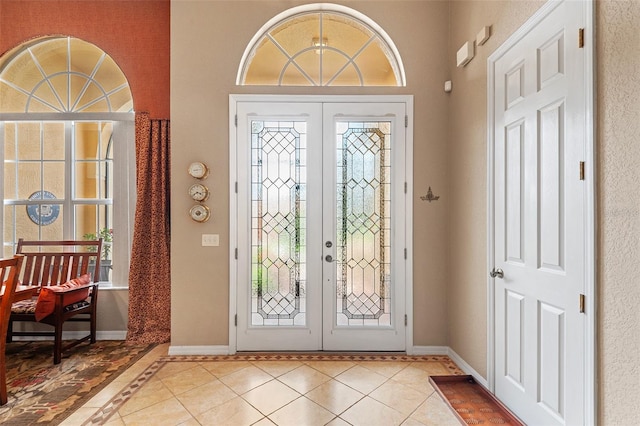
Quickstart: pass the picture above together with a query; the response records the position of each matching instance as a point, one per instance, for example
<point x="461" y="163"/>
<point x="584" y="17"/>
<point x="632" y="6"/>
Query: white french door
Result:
<point x="321" y="226"/>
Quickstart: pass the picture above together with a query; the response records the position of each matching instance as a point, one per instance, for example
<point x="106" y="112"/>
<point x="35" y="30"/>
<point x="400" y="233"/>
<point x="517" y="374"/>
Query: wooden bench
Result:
<point x="65" y="293"/>
<point x="9" y="272"/>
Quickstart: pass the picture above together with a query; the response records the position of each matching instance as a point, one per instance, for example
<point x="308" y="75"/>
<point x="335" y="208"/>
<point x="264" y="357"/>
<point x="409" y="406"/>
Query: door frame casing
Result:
<point x="234" y="171"/>
<point x="590" y="348"/>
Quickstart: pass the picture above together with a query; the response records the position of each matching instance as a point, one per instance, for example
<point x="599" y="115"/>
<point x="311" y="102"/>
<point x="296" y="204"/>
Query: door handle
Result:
<point x="329" y="258"/>
<point x="496" y="273"/>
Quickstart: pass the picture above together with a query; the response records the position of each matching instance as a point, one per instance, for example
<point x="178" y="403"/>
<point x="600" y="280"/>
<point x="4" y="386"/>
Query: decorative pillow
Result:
<point x="24" y="306"/>
<point x="47" y="298"/>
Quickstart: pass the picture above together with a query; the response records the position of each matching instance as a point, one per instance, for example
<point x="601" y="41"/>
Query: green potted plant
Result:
<point x="105" y="259"/>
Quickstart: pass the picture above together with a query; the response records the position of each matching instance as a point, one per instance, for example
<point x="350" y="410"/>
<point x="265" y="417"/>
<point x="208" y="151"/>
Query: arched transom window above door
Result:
<point x="62" y="74"/>
<point x="321" y="45"/>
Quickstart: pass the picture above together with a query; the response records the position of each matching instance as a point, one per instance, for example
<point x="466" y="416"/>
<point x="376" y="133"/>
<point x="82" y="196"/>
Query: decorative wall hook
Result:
<point x="430" y="197"/>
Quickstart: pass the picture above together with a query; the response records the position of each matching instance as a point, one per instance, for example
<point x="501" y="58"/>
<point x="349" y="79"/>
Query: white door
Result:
<point x="321" y="229"/>
<point x="539" y="220"/>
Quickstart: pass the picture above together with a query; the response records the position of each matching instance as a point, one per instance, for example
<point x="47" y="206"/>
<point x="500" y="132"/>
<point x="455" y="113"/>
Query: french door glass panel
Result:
<point x="317" y="227"/>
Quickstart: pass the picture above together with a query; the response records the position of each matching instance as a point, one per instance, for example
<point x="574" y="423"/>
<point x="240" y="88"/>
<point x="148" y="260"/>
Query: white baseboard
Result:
<point x="110" y="335"/>
<point x="446" y="350"/>
<point x="464" y="366"/>
<point x="74" y="335"/>
<point x="199" y="350"/>
<point x="428" y="350"/>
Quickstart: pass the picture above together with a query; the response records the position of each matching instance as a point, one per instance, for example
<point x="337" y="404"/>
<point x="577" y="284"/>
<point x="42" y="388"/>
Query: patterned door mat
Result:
<point x="471" y="402"/>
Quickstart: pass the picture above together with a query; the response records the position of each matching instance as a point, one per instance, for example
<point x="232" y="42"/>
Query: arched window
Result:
<point x="321" y="45"/>
<point x="62" y="74"/>
<point x="67" y="150"/>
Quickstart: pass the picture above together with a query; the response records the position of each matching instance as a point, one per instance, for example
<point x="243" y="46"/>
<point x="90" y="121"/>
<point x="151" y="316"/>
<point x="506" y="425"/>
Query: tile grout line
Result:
<point x="113" y="405"/>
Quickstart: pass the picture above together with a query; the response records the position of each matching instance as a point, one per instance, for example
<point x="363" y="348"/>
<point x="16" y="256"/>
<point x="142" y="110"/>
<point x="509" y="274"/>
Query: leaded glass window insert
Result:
<point x="278" y="223"/>
<point x="363" y="233"/>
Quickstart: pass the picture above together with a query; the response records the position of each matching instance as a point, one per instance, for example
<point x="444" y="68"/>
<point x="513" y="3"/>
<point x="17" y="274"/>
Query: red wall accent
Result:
<point x="135" y="33"/>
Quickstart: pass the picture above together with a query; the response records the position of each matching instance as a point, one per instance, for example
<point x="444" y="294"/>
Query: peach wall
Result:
<point x="134" y="33"/>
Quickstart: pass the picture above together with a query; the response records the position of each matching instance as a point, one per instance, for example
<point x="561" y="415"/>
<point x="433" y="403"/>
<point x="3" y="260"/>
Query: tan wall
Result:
<point x="112" y="316"/>
<point x="618" y="50"/>
<point x="207" y="42"/>
<point x="450" y="156"/>
<point x="618" y="171"/>
<point x="113" y="310"/>
<point x="467" y="298"/>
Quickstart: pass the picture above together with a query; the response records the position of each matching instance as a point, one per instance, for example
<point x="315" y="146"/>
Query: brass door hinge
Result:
<point x="582" y="303"/>
<point x="582" y="170"/>
<point x="581" y="38"/>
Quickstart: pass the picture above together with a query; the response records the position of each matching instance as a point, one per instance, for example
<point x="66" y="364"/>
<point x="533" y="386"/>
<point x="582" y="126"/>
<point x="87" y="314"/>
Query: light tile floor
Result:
<point x="307" y="392"/>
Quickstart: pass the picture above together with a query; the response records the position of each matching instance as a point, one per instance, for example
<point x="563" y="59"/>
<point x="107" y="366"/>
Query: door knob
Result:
<point x="496" y="273"/>
<point x="329" y="258"/>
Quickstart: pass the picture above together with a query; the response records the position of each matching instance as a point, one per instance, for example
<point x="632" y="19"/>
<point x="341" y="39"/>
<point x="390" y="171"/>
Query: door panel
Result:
<point x="539" y="221"/>
<point x="279" y="239"/>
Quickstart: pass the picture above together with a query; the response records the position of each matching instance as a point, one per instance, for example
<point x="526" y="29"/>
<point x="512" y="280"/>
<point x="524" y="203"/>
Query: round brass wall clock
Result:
<point x="198" y="192"/>
<point x="198" y="170"/>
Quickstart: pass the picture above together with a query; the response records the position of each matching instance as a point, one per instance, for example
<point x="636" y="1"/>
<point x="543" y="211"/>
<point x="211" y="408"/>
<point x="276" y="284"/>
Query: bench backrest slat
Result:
<point x="56" y="262"/>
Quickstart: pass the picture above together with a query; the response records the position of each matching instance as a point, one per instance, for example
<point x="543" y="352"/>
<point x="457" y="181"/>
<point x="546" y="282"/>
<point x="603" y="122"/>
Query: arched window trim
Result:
<point x="398" y="67"/>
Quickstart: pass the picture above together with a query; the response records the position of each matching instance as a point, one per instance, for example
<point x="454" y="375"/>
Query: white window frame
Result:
<point x="124" y="169"/>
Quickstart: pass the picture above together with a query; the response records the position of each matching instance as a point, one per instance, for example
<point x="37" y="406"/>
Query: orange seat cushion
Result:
<point x="47" y="298"/>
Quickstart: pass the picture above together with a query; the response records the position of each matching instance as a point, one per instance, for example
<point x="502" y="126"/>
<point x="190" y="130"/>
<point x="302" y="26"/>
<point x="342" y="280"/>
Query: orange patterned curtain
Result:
<point x="150" y="271"/>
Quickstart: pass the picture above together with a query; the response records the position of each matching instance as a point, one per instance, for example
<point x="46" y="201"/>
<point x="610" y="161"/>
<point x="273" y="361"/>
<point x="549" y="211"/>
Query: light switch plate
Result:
<point x="210" y="240"/>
